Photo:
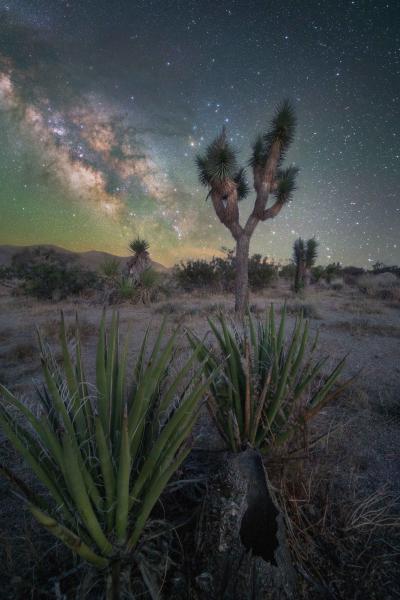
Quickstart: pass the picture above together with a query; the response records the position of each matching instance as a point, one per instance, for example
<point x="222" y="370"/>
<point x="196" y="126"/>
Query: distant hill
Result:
<point x="91" y="260"/>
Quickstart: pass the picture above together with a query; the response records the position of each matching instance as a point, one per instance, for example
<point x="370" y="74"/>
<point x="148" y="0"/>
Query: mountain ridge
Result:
<point x="90" y="259"/>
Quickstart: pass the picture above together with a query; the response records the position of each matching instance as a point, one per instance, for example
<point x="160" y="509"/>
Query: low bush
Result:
<point x="219" y="273"/>
<point x="49" y="275"/>
<point x="303" y="309"/>
<point x="385" y="286"/>
<point x="111" y="268"/>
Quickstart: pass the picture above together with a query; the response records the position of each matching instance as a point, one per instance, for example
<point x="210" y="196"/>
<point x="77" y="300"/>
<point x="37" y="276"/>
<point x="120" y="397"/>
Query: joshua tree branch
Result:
<point x="273" y="211"/>
<point x="227" y="211"/>
<point x="264" y="179"/>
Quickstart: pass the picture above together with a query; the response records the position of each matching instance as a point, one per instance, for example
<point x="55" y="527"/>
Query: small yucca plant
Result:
<point x="126" y="289"/>
<point x="267" y="388"/>
<point x="111" y="268"/>
<point x="106" y="453"/>
<point x="299" y="259"/>
<point x="139" y="246"/>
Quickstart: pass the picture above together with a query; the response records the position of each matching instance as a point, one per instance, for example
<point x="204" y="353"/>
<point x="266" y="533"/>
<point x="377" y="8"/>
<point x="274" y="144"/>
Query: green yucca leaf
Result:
<point x="101" y="376"/>
<point x="25" y="445"/>
<point x="79" y="492"/>
<point x="69" y="538"/>
<point x="152" y="497"/>
<point x="81" y="378"/>
<point x="124" y="469"/>
<point x="107" y="470"/>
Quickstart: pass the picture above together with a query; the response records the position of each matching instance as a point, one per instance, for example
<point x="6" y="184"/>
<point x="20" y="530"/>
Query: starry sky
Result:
<point x="104" y="105"/>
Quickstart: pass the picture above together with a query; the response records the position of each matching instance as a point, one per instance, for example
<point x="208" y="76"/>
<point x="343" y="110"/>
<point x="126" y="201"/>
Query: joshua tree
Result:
<point x="140" y="261"/>
<point x="304" y="257"/>
<point x="226" y="180"/>
<point x="311" y="257"/>
<point x="299" y="259"/>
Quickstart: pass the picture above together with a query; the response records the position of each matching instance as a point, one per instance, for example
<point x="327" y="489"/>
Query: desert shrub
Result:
<point x="125" y="289"/>
<point x="110" y="268"/>
<point x="167" y="308"/>
<point x="145" y="290"/>
<point x="56" y="282"/>
<point x="317" y="273"/>
<point x="20" y="352"/>
<point x="382" y="285"/>
<point x="219" y="273"/>
<point x="378" y="268"/>
<point x="363" y="327"/>
<point x="50" y="330"/>
<point x="147" y="287"/>
<point x="196" y="274"/>
<point x="304" y="309"/>
<point x="351" y="274"/>
<point x="267" y="390"/>
<point x="332" y="271"/>
<point x="261" y="272"/>
<point x="48" y="275"/>
<point x="288" y="271"/>
<point x="6" y="273"/>
<point x="103" y="457"/>
<point x="337" y="284"/>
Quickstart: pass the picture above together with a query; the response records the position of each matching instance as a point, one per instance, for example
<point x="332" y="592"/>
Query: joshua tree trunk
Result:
<point x="242" y="274"/>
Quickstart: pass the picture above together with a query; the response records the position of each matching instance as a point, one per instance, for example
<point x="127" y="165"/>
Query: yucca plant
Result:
<point x="268" y="388"/>
<point x="126" y="289"/>
<point x="110" y="268"/>
<point x="311" y="257"/>
<point x="299" y="259"/>
<point x="104" y="454"/>
<point x="139" y="246"/>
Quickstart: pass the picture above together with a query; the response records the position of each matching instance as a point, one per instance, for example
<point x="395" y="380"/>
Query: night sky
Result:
<point x="104" y="105"/>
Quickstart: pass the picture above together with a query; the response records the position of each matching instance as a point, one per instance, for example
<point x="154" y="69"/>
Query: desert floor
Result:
<point x="358" y="457"/>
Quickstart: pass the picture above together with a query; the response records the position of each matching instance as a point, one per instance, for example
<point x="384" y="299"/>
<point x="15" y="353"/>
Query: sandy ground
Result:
<point x="363" y="447"/>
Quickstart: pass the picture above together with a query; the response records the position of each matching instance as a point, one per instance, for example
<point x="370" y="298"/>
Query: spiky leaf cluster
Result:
<point x="299" y="251"/>
<point x="282" y="129"/>
<point x="105" y="457"/>
<point x="311" y="252"/>
<point x="255" y="399"/>
<point x="218" y="163"/>
<point x="286" y="183"/>
<point x="138" y="246"/>
<point x="243" y="187"/>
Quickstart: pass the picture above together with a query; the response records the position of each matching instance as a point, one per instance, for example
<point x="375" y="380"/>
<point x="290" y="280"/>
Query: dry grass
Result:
<point x="362" y="308"/>
<point x="343" y="545"/>
<point x="21" y="352"/>
<point x="6" y="334"/>
<point x="308" y="310"/>
<point x="363" y="327"/>
<point x="51" y="329"/>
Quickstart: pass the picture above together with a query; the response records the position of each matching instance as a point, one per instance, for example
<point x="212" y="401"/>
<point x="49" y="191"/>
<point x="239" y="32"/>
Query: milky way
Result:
<point x="104" y="105"/>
